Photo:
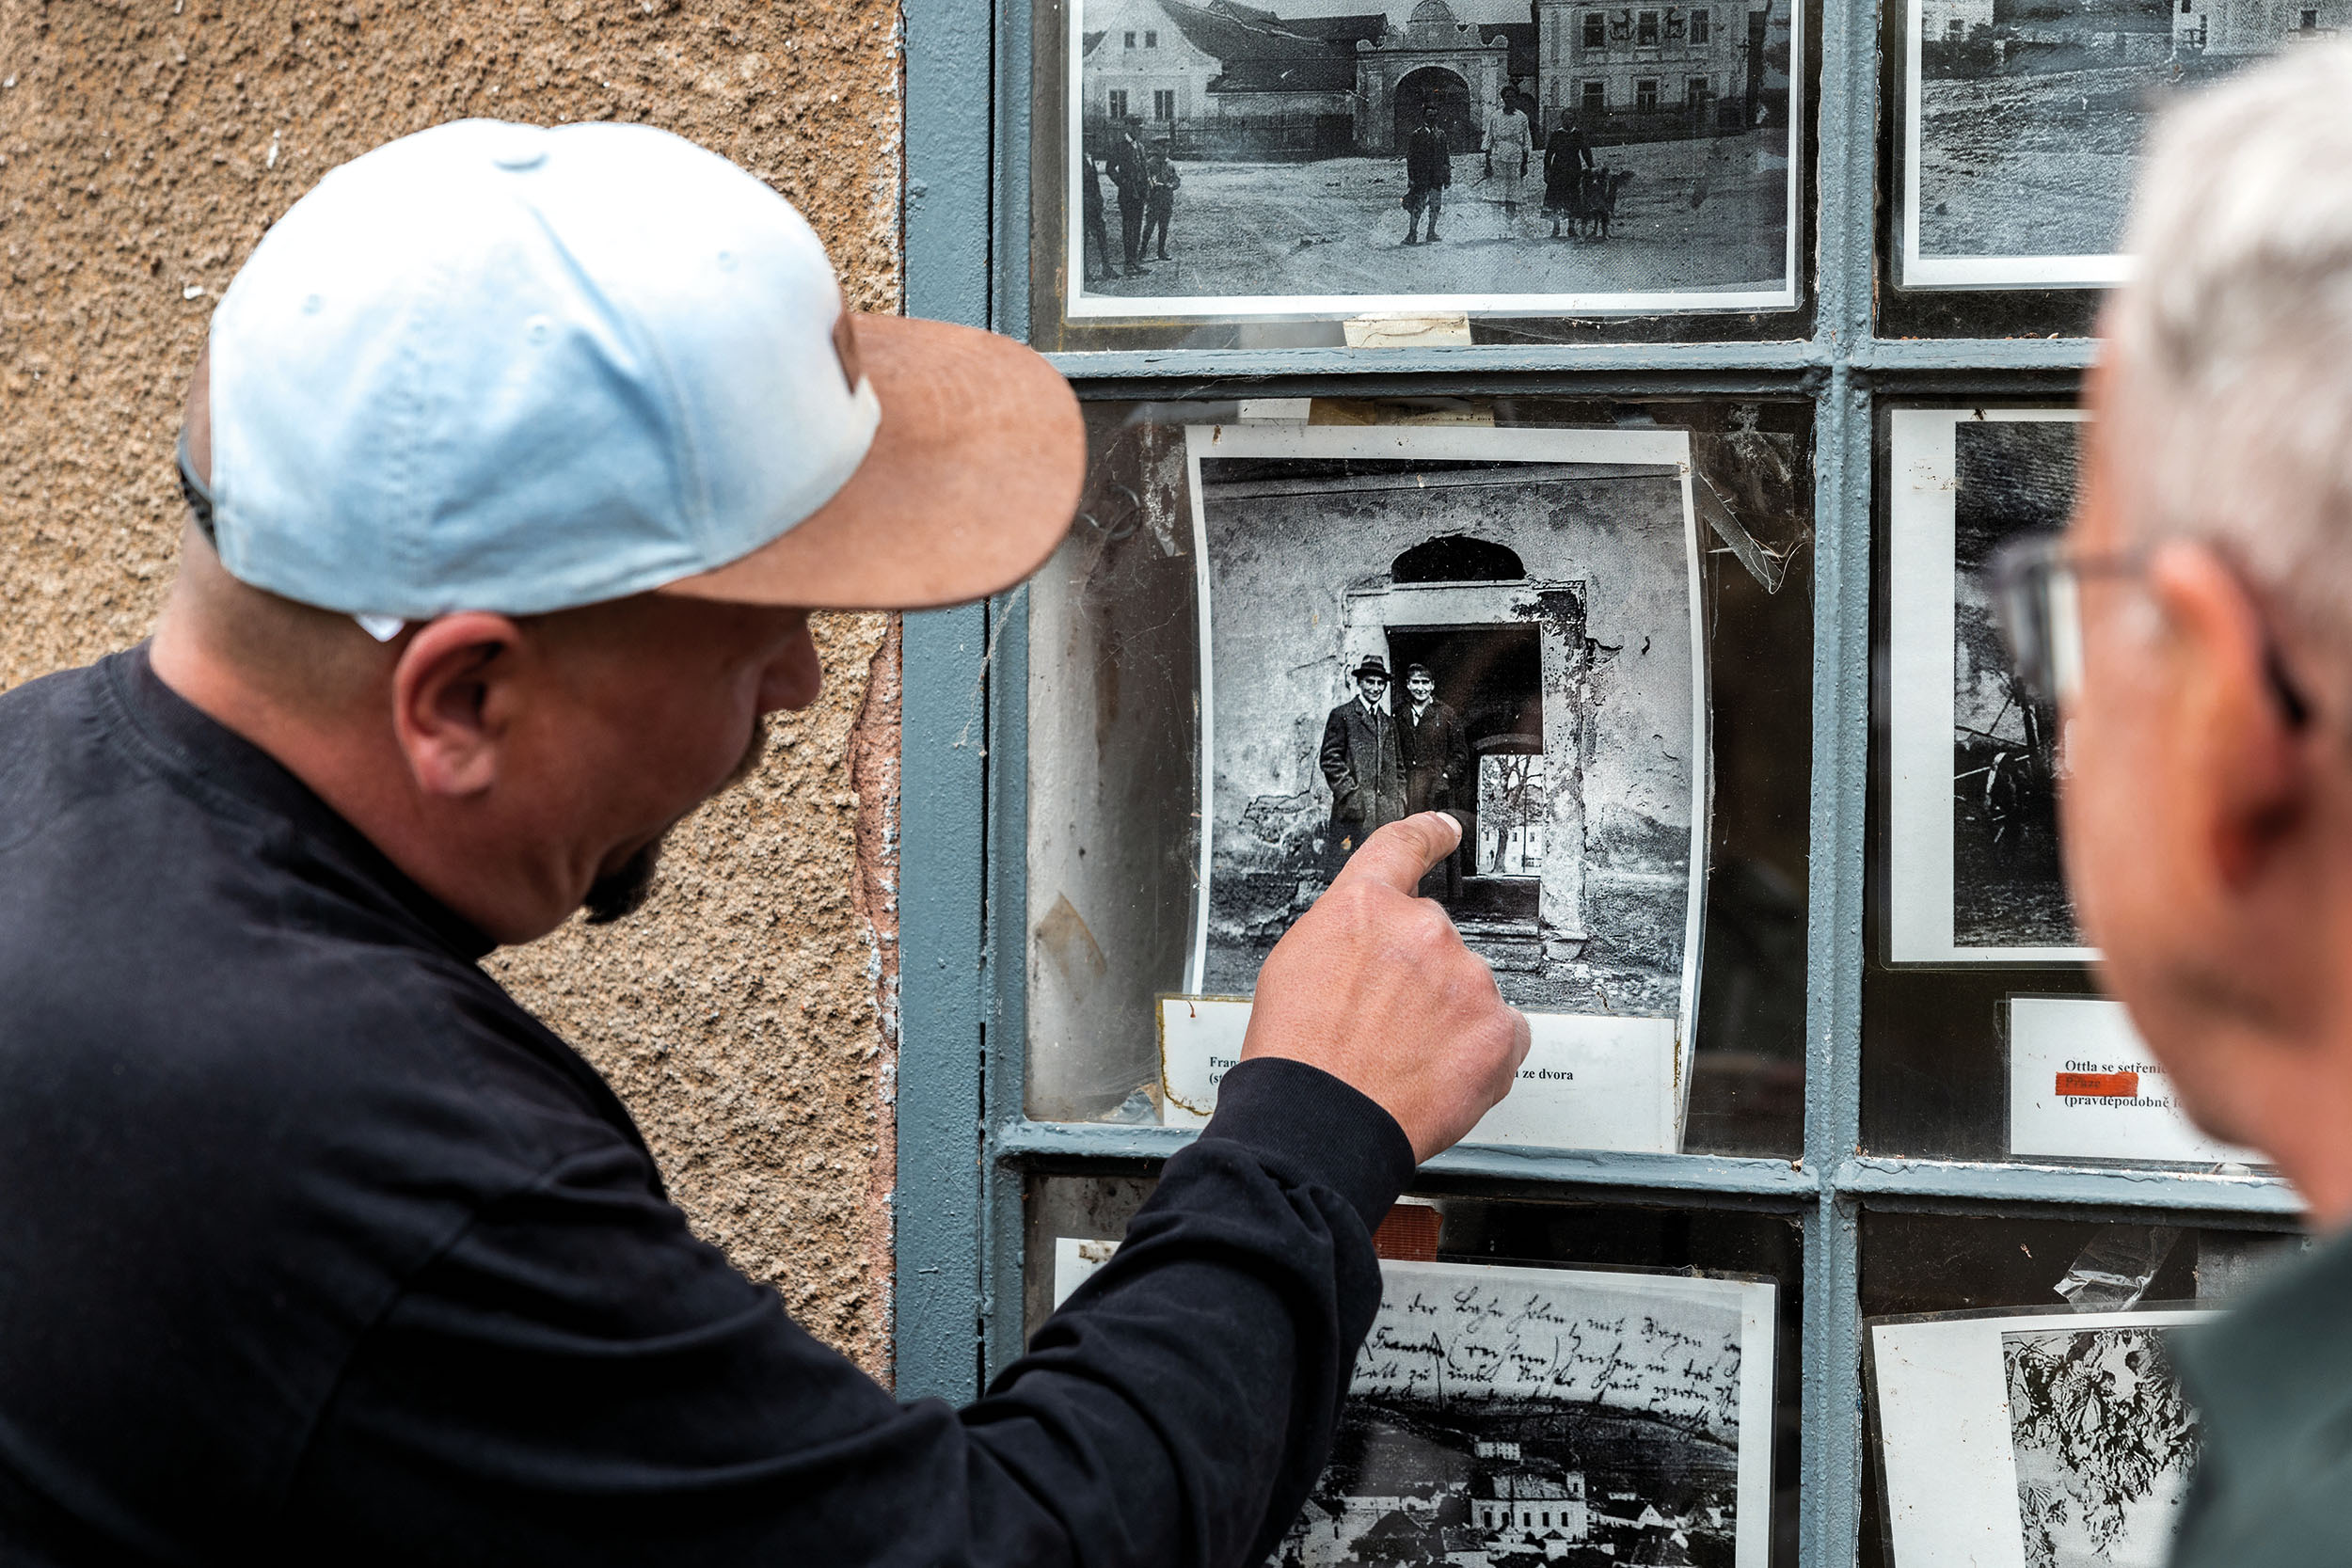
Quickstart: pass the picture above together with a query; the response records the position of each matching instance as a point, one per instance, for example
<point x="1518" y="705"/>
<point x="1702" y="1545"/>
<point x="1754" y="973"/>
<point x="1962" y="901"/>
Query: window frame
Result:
<point x="964" y="1144"/>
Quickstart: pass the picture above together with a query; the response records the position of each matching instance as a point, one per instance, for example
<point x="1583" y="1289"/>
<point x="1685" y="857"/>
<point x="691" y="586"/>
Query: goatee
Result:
<point x="623" y="890"/>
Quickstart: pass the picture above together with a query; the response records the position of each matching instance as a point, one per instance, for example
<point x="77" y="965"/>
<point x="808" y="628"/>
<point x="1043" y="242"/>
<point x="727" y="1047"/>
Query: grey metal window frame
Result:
<point x="964" y="1142"/>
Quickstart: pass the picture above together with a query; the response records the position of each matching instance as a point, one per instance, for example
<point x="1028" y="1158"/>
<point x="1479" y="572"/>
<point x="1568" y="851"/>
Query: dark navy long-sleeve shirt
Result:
<point x="316" y="1246"/>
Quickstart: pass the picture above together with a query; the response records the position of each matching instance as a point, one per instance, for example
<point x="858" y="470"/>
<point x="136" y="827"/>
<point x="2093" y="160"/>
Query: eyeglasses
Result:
<point x="200" y="499"/>
<point x="2037" y="601"/>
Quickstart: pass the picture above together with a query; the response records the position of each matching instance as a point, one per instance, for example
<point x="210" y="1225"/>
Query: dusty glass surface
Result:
<point x="1264" y="187"/>
<point x="1926" y="1263"/>
<point x="1068" y="1213"/>
<point x="2008" y="139"/>
<point x="1984" y="1033"/>
<point x="1114" y="778"/>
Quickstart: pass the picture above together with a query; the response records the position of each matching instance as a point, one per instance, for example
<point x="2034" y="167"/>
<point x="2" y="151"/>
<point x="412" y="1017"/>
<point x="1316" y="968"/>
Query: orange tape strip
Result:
<point x="2099" y="1085"/>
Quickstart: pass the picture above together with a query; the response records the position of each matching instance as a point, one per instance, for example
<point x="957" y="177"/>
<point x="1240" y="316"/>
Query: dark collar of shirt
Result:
<point x="224" y="764"/>
<point x="2272" y="1385"/>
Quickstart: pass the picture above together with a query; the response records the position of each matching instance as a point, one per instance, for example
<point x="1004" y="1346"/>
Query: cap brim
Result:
<point x="971" y="482"/>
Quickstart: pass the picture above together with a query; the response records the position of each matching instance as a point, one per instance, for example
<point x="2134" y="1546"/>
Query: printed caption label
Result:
<point x="2082" y="1085"/>
<point x="1587" y="1083"/>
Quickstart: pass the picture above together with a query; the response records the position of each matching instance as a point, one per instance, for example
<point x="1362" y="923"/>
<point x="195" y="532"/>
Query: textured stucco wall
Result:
<point x="145" y="145"/>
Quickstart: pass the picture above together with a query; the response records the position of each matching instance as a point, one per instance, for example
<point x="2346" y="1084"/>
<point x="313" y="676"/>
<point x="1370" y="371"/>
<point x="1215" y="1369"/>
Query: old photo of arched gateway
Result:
<point x="1499" y="624"/>
<point x="1513" y="157"/>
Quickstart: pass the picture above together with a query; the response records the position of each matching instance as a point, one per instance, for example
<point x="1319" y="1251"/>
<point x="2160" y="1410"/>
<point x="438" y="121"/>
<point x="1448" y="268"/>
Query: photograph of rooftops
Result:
<point x="1538" y="156"/>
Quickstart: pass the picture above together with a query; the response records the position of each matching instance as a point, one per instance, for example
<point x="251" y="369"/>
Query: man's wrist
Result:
<point x="1312" y="1126"/>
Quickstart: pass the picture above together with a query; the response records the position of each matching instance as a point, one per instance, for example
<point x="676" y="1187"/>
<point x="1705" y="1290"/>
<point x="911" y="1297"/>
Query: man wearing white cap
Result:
<point x="516" y="462"/>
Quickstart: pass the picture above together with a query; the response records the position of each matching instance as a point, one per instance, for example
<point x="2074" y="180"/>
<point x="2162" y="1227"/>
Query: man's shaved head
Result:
<point x="301" y="655"/>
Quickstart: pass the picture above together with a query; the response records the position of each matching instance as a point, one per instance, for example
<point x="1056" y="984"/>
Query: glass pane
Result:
<point x="1984" y="1035"/>
<point x="1628" y="1467"/>
<point x="1206" y="176"/>
<point x="1449" y="551"/>
<point x="2008" y="142"/>
<point x="1929" y="1263"/>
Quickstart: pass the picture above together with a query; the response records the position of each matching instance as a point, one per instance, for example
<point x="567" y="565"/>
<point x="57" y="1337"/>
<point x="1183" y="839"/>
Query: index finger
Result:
<point x="1400" y="854"/>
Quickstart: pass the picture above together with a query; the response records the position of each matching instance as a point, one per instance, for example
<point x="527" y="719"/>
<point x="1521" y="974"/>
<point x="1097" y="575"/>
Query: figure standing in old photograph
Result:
<point x="1437" y="775"/>
<point x="1325" y="146"/>
<point x="1363" y="764"/>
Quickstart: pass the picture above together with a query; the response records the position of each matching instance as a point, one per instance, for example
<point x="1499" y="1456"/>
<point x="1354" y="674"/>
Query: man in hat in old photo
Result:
<point x="2195" y="625"/>
<point x="516" y="462"/>
<point x="1363" y="762"/>
<point x="1428" y="170"/>
<point x="1162" y="182"/>
<point x="1130" y="168"/>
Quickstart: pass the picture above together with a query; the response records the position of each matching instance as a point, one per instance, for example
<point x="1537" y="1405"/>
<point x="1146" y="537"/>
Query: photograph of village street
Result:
<point x="1513" y="1417"/>
<point x="1533" y="155"/>
<point x="2028" y="117"/>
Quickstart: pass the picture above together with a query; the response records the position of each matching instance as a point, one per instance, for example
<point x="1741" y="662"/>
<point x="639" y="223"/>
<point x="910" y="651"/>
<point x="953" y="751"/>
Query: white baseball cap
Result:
<point x="520" y="368"/>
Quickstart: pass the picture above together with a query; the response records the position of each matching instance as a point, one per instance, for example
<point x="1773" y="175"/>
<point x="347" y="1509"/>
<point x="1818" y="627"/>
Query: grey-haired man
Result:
<point x="2196" y="625"/>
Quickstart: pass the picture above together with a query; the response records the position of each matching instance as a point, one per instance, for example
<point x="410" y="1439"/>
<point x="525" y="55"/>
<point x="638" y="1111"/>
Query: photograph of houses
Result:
<point x="1514" y="1417"/>
<point x="1510" y="156"/>
<point x="2025" y="120"/>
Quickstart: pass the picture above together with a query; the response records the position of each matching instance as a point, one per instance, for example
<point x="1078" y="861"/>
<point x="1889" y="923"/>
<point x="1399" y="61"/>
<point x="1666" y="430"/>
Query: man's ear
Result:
<point x="2246" y="772"/>
<point x="454" y="700"/>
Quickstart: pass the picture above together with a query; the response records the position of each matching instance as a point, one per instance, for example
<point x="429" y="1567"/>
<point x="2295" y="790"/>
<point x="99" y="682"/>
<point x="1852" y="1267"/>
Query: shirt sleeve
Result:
<point x="577" y="1379"/>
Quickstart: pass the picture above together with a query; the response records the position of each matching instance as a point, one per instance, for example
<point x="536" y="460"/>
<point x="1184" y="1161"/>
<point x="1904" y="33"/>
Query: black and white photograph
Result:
<point x="2105" y="1444"/>
<point x="1501" y="624"/>
<point x="1975" y="758"/>
<point x="1531" y="1417"/>
<point x="1309" y="158"/>
<point x="2025" y="120"/>
<point x="2033" y="1440"/>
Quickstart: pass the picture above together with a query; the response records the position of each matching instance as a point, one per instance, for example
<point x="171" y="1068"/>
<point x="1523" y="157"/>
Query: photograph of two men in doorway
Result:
<point x="1383" y="766"/>
<point x="1457" y="627"/>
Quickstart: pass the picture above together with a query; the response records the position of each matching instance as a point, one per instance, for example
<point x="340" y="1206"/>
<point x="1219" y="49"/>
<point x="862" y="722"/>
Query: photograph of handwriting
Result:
<point x="1497" y="623"/>
<point x="1537" y="1417"/>
<point x="2104" y="1445"/>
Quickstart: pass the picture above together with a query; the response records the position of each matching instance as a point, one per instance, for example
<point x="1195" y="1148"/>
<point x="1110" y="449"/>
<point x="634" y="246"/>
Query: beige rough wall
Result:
<point x="145" y="145"/>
